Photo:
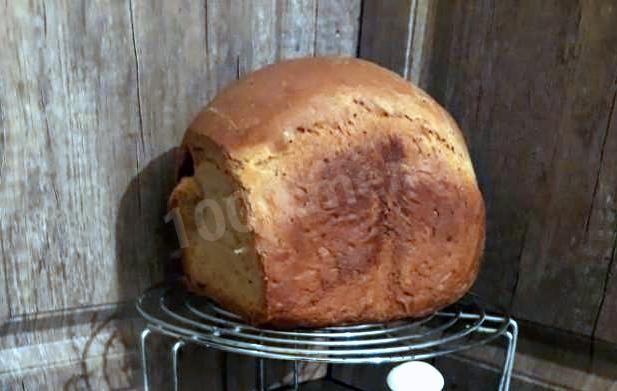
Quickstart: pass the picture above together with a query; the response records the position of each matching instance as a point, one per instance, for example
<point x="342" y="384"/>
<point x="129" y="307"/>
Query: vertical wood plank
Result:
<point x="399" y="36"/>
<point x="223" y="39"/>
<point x="604" y="223"/>
<point x="322" y="28"/>
<point x="566" y="256"/>
<point x="544" y="254"/>
<point x="259" y="38"/>
<point x="386" y="33"/>
<point x="296" y="28"/>
<point x="421" y="43"/>
<point x="5" y="305"/>
<point x="240" y="38"/>
<point x="69" y="97"/>
<point x="337" y="27"/>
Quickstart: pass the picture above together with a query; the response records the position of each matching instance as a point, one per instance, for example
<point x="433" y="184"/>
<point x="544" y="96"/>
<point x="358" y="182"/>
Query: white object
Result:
<point x="415" y="376"/>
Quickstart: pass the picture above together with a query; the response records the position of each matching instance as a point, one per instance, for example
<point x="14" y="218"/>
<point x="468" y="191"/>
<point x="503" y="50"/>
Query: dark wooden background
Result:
<point x="95" y="95"/>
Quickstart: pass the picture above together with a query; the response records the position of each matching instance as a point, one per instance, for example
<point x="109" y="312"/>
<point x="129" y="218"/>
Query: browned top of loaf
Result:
<point x="241" y="115"/>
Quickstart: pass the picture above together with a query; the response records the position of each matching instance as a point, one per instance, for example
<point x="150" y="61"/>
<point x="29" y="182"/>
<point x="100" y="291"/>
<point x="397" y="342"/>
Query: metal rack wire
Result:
<point x="171" y="311"/>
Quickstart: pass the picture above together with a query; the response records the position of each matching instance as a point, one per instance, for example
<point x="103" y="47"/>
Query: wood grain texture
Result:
<point x="399" y="36"/>
<point x="386" y="33"/>
<point x="66" y="347"/>
<point x="70" y="81"/>
<point x="114" y="373"/>
<point x="68" y="153"/>
<point x="567" y="251"/>
<point x="57" y="327"/>
<point x="421" y="43"/>
<point x="554" y="359"/>
<point x="296" y="28"/>
<point x="312" y="27"/>
<point x="532" y="85"/>
<point x="603" y="225"/>
<point x="337" y="26"/>
<point x="258" y="29"/>
<point x="244" y="36"/>
<point x="240" y="38"/>
<point x="5" y="305"/>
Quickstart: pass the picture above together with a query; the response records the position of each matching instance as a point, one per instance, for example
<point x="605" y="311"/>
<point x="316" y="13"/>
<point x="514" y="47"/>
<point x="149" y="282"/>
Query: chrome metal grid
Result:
<point x="170" y="310"/>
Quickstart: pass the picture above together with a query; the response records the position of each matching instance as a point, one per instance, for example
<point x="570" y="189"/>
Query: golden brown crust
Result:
<point x="360" y="192"/>
<point x="235" y="118"/>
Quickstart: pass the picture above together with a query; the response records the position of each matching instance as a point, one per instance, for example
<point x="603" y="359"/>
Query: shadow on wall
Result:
<point x="144" y="242"/>
<point x="144" y="248"/>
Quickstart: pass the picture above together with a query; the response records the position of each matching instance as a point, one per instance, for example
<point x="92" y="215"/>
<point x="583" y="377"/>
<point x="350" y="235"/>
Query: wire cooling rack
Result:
<point x="169" y="310"/>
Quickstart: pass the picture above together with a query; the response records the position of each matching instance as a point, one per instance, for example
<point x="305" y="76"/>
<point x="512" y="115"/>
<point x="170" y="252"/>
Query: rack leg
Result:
<point x="144" y="363"/>
<point x="174" y="363"/>
<point x="512" y="336"/>
<point x="296" y="375"/>
<point x="260" y="375"/>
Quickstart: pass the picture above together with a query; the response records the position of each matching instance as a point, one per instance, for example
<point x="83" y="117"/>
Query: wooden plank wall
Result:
<point x="95" y="95"/>
<point x="93" y="98"/>
<point x="533" y="86"/>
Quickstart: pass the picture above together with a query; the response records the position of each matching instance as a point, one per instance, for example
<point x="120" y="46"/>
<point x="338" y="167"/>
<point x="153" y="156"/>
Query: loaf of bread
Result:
<point x="327" y="191"/>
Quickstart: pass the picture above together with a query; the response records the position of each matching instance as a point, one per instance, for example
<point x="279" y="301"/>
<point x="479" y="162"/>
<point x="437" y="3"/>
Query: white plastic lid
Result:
<point x="415" y="376"/>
